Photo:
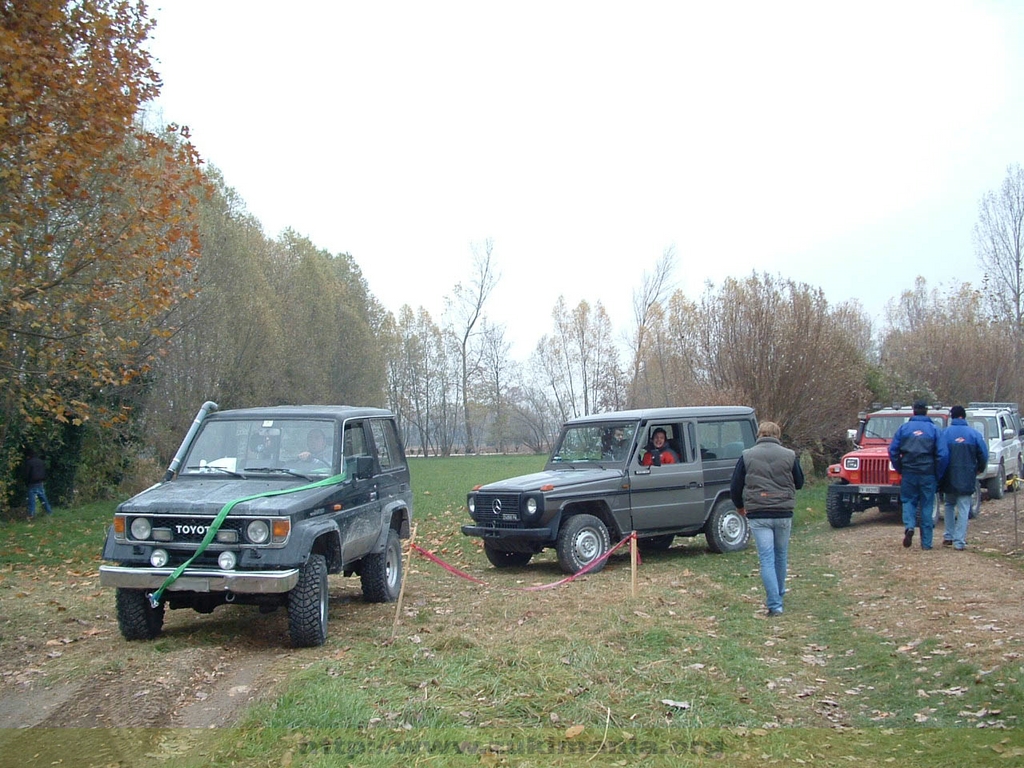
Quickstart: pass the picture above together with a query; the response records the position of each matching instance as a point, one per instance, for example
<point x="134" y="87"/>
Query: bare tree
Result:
<point x="579" y="362"/>
<point x="773" y="344"/>
<point x="653" y="291"/>
<point x="535" y="417"/>
<point x="999" y="242"/>
<point x="466" y="307"/>
<point x="495" y="365"/>
<point x="943" y="346"/>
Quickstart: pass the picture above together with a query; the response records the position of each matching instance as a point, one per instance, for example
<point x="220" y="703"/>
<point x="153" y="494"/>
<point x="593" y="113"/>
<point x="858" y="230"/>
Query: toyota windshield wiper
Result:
<point x="284" y="470"/>
<point x="210" y="468"/>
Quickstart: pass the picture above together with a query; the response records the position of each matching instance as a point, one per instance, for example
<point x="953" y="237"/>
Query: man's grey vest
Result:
<point x="769" y="481"/>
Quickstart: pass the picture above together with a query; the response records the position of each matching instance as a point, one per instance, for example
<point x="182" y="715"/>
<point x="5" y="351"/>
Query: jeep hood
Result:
<point x="869" y="451"/>
<point x="208" y="496"/>
<point x="559" y="478"/>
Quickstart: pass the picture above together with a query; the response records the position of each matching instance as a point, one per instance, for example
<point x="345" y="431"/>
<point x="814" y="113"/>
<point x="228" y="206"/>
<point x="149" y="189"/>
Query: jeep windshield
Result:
<point x="601" y="443"/>
<point x="295" y="447"/>
<point x="884" y="427"/>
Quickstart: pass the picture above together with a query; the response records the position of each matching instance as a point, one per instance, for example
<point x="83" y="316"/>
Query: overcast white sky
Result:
<point x="845" y="145"/>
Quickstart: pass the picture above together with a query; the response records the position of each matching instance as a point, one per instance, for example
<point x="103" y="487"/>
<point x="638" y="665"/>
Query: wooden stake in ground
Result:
<point x="401" y="590"/>
<point x="632" y="560"/>
<point x="1016" y="528"/>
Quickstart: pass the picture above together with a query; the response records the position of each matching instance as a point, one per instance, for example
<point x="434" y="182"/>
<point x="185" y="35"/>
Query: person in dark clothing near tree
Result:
<point x="968" y="456"/>
<point x="35" y="476"/>
<point x="917" y="453"/>
<point x="763" y="489"/>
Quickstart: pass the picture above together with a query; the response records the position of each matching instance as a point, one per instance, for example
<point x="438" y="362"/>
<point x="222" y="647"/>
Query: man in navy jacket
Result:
<point x="968" y="455"/>
<point x="920" y="457"/>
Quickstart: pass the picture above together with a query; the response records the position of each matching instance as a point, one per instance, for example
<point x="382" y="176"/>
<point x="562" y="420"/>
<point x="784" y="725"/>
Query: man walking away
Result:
<point x="763" y="488"/>
<point x="917" y="453"/>
<point x="968" y="455"/>
<point x="35" y="476"/>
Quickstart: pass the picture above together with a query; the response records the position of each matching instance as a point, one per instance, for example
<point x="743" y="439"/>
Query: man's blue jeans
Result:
<point x="771" y="535"/>
<point x="958" y="509"/>
<point x="917" y="494"/>
<point x="37" y="491"/>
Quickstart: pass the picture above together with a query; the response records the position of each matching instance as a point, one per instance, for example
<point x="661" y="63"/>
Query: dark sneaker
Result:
<point x="772" y="613"/>
<point x="908" y="536"/>
<point x="947" y="543"/>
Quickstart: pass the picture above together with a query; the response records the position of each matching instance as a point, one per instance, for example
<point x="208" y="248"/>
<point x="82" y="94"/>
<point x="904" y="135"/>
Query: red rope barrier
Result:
<point x="586" y="569"/>
<point x="443" y="564"/>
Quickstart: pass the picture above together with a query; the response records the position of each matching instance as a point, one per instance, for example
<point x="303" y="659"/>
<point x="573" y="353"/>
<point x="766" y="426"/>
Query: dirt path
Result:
<point x="64" y="664"/>
<point x="71" y="668"/>
<point x="970" y="601"/>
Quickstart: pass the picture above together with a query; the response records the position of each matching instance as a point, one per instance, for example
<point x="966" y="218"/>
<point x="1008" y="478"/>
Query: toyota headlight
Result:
<point x="141" y="528"/>
<point x="258" y="532"/>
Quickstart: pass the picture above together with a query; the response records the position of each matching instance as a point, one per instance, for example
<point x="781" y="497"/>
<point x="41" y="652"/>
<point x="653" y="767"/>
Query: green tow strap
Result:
<point x="154" y="598"/>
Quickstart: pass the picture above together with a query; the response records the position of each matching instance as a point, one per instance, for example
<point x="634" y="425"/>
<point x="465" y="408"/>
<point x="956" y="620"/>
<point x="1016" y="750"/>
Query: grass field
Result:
<point x="687" y="672"/>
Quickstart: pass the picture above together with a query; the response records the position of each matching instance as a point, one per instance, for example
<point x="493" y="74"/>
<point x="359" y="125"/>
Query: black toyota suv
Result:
<point x="597" y="487"/>
<point x="258" y="506"/>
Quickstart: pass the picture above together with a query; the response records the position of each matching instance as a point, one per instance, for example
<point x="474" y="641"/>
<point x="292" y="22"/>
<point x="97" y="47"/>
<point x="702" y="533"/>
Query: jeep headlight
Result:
<point x="532" y="509"/>
<point x="851" y="463"/>
<point x="258" y="532"/>
<point x="141" y="529"/>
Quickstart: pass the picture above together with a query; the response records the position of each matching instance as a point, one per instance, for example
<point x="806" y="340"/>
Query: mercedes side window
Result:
<point x="724" y="439"/>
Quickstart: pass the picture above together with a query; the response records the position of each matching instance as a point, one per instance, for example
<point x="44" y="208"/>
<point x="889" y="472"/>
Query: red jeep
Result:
<point x="864" y="478"/>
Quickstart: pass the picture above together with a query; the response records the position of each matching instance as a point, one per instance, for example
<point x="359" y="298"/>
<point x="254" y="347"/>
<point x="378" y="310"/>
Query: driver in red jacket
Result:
<point x="658" y="450"/>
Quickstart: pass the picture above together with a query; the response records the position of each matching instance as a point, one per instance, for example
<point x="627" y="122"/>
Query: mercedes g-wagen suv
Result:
<point x="258" y="506"/>
<point x="599" y="485"/>
<point x="864" y="478"/>
<point x="1000" y="424"/>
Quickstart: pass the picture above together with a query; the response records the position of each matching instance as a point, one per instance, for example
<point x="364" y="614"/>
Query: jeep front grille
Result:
<point x="874" y="471"/>
<point x="498" y="510"/>
<point x="190" y="530"/>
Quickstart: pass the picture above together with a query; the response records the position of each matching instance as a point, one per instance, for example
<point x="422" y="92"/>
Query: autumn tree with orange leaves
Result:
<point x="96" y="229"/>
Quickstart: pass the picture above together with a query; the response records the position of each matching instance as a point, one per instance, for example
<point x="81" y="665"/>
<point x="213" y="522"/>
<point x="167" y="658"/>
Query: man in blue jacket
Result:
<point x="917" y="453"/>
<point x="968" y="455"/>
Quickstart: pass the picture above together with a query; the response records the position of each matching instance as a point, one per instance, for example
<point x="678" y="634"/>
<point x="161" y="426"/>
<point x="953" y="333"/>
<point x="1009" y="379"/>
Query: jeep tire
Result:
<point x="381" y="572"/>
<point x="307" y="604"/>
<point x="997" y="485"/>
<point x="581" y="540"/>
<point x="136" y="618"/>
<point x="726" y="530"/>
<point x="503" y="558"/>
<point x="837" y="510"/>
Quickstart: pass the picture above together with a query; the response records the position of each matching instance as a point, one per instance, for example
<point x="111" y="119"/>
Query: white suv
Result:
<point x="1000" y="423"/>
